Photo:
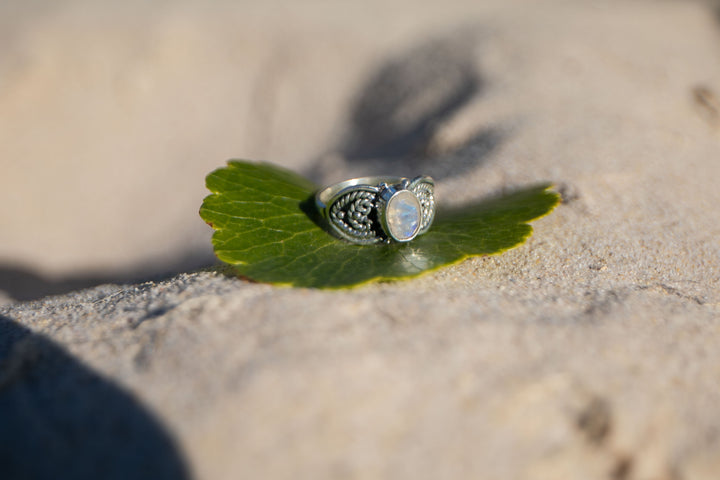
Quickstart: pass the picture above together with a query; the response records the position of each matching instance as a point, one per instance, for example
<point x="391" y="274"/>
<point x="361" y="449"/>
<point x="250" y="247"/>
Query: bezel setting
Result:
<point x="391" y="196"/>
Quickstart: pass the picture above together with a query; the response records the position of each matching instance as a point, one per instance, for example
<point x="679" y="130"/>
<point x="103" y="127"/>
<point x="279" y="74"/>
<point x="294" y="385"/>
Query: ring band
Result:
<point x="378" y="209"/>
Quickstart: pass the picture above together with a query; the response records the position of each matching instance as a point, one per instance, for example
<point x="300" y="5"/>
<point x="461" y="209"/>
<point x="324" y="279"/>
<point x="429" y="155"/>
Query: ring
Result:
<point x="378" y="209"/>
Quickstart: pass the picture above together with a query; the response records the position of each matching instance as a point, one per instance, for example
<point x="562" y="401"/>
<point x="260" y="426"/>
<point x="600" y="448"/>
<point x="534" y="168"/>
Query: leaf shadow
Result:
<point x="433" y="80"/>
<point x="394" y="122"/>
<point x="60" y="419"/>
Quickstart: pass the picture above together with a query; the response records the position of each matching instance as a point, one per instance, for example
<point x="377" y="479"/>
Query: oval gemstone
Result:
<point x="403" y="215"/>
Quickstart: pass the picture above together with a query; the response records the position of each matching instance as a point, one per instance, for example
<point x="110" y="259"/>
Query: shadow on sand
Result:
<point x="61" y="420"/>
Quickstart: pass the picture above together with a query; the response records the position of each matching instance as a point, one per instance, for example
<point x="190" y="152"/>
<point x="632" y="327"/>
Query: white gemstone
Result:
<point x="403" y="215"/>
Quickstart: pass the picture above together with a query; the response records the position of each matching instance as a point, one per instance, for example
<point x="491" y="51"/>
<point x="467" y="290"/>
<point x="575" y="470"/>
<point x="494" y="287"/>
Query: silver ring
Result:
<point x="378" y="209"/>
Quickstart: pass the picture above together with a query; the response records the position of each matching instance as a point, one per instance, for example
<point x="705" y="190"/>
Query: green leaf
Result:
<point x="266" y="226"/>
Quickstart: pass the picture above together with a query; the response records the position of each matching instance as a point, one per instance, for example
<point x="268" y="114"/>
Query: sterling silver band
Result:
<point x="370" y="210"/>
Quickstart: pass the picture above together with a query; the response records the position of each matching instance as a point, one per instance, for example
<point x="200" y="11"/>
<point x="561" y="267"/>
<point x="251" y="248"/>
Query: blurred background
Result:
<point x="112" y="113"/>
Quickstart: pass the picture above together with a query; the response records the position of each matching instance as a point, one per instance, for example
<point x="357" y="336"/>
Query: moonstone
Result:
<point x="403" y="215"/>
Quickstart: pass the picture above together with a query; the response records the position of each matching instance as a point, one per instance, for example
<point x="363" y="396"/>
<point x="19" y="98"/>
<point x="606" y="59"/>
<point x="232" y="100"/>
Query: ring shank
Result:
<point x="324" y="197"/>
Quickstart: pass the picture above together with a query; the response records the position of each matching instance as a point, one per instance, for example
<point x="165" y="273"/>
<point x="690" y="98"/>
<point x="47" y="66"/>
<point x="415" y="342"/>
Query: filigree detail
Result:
<point x="353" y="214"/>
<point x="425" y="192"/>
